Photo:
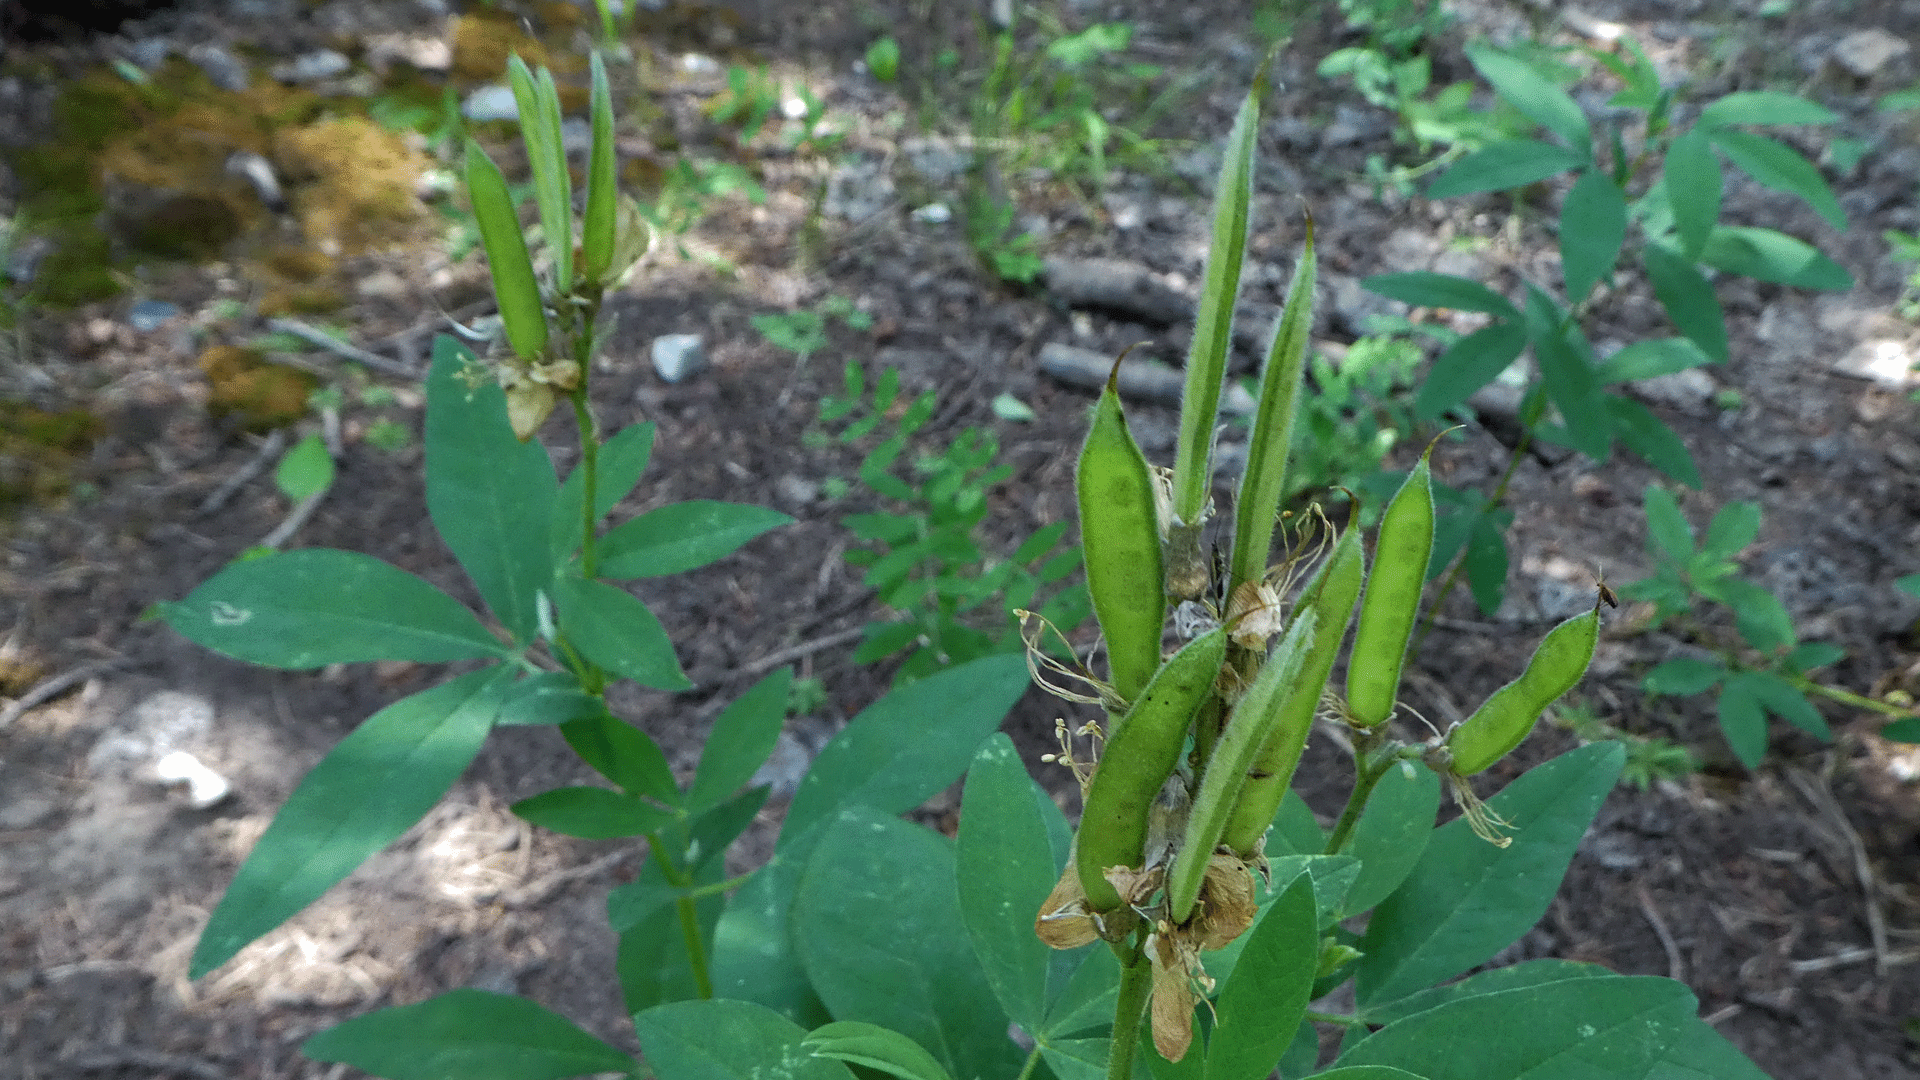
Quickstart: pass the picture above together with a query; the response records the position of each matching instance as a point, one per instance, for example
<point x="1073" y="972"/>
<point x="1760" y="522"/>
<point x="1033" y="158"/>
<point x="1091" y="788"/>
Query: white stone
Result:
<point x="204" y="786"/>
<point x="677" y="356"/>
<point x="490" y="103"/>
<point x="1865" y="52"/>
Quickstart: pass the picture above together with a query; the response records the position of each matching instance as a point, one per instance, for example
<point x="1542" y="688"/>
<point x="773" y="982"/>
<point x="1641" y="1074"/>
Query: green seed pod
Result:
<point x="597" y="230"/>
<point x="1392" y="600"/>
<point x="521" y="311"/>
<point x="1120" y="536"/>
<point x="1498" y="726"/>
<point x="1141" y="752"/>
<point x="1253" y="719"/>
<point x="1330" y="596"/>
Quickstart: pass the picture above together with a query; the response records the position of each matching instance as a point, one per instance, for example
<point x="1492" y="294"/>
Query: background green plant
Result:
<point x="925" y="559"/>
<point x="1767" y="670"/>
<point x="1658" y="207"/>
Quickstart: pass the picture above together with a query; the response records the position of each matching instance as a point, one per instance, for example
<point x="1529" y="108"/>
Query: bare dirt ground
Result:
<point x="1788" y="898"/>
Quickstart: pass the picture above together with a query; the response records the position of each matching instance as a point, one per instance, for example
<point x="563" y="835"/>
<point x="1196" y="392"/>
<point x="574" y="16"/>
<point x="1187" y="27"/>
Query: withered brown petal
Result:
<point x="1063" y="921"/>
<point x="1227" y="905"/>
<point x="1173" y="997"/>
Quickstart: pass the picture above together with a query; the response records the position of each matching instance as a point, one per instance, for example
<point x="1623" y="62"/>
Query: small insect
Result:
<point x="1607" y="595"/>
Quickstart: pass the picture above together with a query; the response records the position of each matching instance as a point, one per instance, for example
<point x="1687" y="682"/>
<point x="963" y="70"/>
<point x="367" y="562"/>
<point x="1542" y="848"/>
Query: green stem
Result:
<point x="1334" y="1018"/>
<point x="1136" y="978"/>
<point x="1368" y="775"/>
<point x="1847" y="697"/>
<point x="1033" y="1060"/>
<point x="719" y="887"/>
<point x="1460" y="563"/>
<point x="589" y="475"/>
<point x="689" y="914"/>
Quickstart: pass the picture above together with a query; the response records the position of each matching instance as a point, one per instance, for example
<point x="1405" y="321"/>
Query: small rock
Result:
<point x="312" y="67"/>
<point x="147" y="316"/>
<point x="1885" y="361"/>
<point x="934" y="214"/>
<point x="148" y="54"/>
<point x="797" y="490"/>
<point x="25" y="812"/>
<point x="226" y="72"/>
<point x="576" y="135"/>
<point x="490" y="103"/>
<point x="677" y="356"/>
<point x="699" y="64"/>
<point x="1865" y="53"/>
<point x="1355" y="124"/>
<point x="858" y="190"/>
<point x="1125" y="213"/>
<point x="1690" y="390"/>
<point x="424" y="52"/>
<point x="381" y="285"/>
<point x="937" y="161"/>
<point x="157" y="726"/>
<point x="205" y="787"/>
<point x="785" y="766"/>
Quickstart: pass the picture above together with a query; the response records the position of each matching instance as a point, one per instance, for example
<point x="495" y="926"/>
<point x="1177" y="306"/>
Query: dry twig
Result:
<point x="1676" y="967"/>
<point x="314" y="336"/>
<point x="1821" y="797"/>
<point x="50" y="688"/>
<point x="266" y="455"/>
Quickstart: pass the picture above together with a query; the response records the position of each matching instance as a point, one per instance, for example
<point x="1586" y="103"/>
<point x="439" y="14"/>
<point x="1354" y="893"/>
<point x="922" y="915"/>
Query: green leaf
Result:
<point x="1614" y="1027"/>
<point x="306" y="470"/>
<point x="1766" y="255"/>
<point x="1467" y="899"/>
<point x="621" y="461"/>
<point x="313" y="607"/>
<point x="874" y="1047"/>
<point x="1265" y="1000"/>
<point x="1683" y="675"/>
<point x="713" y="832"/>
<point x="623" y="754"/>
<point x="1910" y="584"/>
<point x="728" y="1040"/>
<point x="1651" y="359"/>
<point x="886" y="758"/>
<point x="1758" y="614"/>
<point x="1763" y="107"/>
<point x="490" y="495"/>
<point x="1537" y="98"/>
<point x="1775" y="165"/>
<point x="1689" y="299"/>
<point x="873" y="920"/>
<point x="1006" y="869"/>
<point x="682" y="536"/>
<point x="1500" y="166"/>
<point x="1784" y="700"/>
<point x="367" y="791"/>
<point x="1086" y="997"/>
<point x="1391" y="834"/>
<point x="616" y="631"/>
<point x="1366" y="1072"/>
<point x="1744" y="722"/>
<point x="592" y="813"/>
<point x="1527" y="973"/>
<point x="472" y="1034"/>
<point x="1593" y="225"/>
<point x="1666" y="526"/>
<point x="1083" y="1059"/>
<point x="1469" y="364"/>
<point x="891" y="759"/>
<point x="1486" y="559"/>
<point x="1814" y="654"/>
<point x="1332" y="876"/>
<point x="1731" y="530"/>
<point x="1568" y="376"/>
<point x="1905" y="730"/>
<point x="1693" y="185"/>
<point x="1426" y="289"/>
<point x="742" y="739"/>
<point x="550" y="697"/>
<point x="1648" y="436"/>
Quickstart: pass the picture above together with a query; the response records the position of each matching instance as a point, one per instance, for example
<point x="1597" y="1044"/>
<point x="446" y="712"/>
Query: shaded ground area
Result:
<point x="1786" y="898"/>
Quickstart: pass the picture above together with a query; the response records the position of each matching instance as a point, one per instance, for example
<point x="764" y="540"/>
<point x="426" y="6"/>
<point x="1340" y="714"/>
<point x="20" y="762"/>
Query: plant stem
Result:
<point x="1136" y="978"/>
<point x="1368" y="775"/>
<point x="589" y="476"/>
<point x="1033" y="1059"/>
<point x="1847" y="697"/>
<point x="1334" y="1018"/>
<point x="685" y="905"/>
<point x="719" y="887"/>
<point x="1460" y="563"/>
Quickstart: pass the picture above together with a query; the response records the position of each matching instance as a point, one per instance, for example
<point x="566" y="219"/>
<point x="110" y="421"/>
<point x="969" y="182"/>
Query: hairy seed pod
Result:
<point x="1392" y="601"/>
<point x="1498" y="726"/>
<point x="1330" y="595"/>
<point x="1120" y="537"/>
<point x="521" y="310"/>
<point x="1139" y="756"/>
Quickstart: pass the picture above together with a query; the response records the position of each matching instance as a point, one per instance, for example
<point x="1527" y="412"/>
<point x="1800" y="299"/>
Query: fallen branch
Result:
<point x="314" y="336"/>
